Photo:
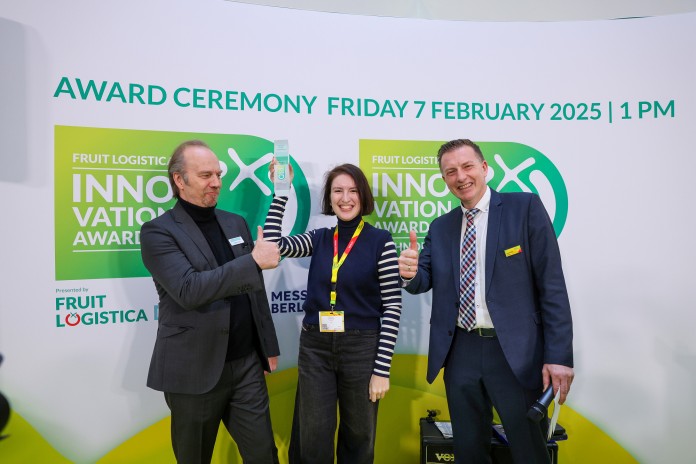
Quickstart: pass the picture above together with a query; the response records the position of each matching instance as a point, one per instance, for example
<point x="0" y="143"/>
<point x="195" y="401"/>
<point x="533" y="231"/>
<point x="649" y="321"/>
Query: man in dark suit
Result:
<point x="500" y="322"/>
<point x="216" y="336"/>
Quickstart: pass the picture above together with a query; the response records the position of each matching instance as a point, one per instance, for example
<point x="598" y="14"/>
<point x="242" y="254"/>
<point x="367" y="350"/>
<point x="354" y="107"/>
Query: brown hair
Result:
<point x="453" y="145"/>
<point x="367" y="201"/>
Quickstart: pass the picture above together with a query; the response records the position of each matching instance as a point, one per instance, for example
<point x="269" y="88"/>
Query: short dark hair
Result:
<point x="367" y="201"/>
<point x="453" y="145"/>
<point x="177" y="164"/>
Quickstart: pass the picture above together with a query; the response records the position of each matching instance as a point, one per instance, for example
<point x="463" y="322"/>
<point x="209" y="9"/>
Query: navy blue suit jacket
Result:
<point x="525" y="292"/>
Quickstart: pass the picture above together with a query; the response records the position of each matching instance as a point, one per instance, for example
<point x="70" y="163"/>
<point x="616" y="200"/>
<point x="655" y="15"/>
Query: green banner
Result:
<point x="410" y="193"/>
<point x="108" y="182"/>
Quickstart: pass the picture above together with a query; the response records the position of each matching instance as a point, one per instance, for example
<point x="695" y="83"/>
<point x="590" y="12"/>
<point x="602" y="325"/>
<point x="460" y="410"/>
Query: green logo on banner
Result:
<point x="108" y="182"/>
<point x="247" y="189"/>
<point x="514" y="167"/>
<point x="410" y="193"/>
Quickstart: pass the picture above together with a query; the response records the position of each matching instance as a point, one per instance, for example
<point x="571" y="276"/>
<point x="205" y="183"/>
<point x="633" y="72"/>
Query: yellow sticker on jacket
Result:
<point x="513" y="251"/>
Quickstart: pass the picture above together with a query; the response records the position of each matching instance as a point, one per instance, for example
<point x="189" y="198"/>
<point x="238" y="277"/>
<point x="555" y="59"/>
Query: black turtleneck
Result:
<point x="242" y="339"/>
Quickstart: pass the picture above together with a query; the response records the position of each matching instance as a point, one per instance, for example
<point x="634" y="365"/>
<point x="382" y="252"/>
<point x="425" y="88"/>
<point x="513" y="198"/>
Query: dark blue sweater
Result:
<point x="367" y="288"/>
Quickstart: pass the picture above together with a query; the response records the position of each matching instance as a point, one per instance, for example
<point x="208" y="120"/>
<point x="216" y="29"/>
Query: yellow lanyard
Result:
<point x="337" y="263"/>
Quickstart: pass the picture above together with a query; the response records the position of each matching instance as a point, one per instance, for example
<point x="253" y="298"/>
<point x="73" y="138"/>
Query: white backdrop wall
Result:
<point x="626" y="242"/>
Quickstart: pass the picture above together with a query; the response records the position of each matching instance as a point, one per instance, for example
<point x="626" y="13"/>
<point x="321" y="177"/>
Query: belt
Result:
<point x="486" y="333"/>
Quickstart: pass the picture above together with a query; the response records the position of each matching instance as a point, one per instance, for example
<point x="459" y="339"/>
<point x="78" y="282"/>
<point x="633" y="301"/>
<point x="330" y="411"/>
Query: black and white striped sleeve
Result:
<point x="390" y="289"/>
<point x="296" y="246"/>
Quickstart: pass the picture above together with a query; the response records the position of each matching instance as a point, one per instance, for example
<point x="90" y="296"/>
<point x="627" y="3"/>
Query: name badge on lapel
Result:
<point x="236" y="241"/>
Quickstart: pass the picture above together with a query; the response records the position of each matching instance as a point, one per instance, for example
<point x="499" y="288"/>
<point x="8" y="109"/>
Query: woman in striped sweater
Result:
<point x="351" y="322"/>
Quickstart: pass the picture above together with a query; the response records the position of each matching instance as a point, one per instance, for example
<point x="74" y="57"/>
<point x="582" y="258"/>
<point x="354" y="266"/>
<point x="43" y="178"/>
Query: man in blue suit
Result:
<point x="500" y="323"/>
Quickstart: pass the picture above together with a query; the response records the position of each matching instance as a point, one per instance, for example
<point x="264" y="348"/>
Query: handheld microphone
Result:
<point x="540" y="407"/>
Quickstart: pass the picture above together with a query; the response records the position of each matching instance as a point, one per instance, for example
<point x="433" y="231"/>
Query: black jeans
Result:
<point x="335" y="367"/>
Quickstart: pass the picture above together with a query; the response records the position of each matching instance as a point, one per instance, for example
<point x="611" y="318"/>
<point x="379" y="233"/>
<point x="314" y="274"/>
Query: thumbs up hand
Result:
<point x="408" y="261"/>
<point x="266" y="254"/>
<point x="413" y="241"/>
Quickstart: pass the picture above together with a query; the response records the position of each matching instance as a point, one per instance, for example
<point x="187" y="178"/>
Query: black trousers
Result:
<point x="477" y="377"/>
<point x="240" y="401"/>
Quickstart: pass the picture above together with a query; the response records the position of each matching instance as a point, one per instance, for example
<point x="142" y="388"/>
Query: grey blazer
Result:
<point x="194" y="309"/>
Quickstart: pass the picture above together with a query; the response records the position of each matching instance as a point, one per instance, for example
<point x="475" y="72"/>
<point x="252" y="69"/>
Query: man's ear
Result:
<point x="179" y="180"/>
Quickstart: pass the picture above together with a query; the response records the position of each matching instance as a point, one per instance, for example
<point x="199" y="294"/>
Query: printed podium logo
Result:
<point x="108" y="182"/>
<point x="410" y="193"/>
